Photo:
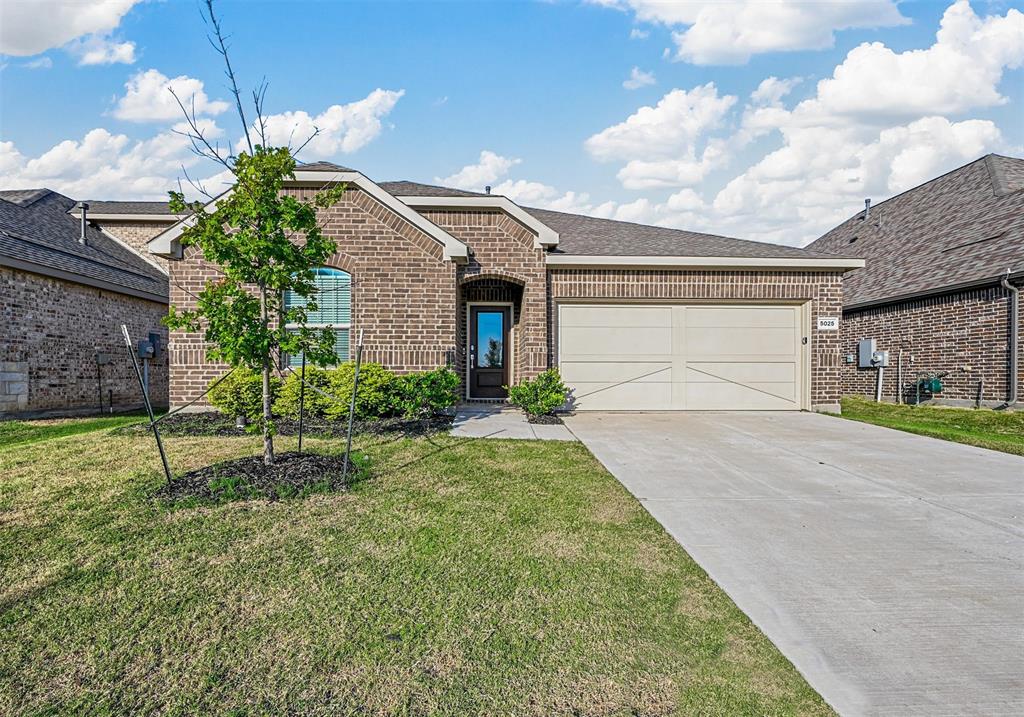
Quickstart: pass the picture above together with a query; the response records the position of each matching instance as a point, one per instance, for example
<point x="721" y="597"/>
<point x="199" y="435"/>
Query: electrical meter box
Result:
<point x="868" y="355"/>
<point x="865" y="350"/>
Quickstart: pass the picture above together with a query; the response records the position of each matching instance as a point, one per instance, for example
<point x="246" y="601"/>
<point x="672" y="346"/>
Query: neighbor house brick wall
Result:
<point x="822" y="289"/>
<point x="504" y="266"/>
<point x="137" y="235"/>
<point x="403" y="293"/>
<point x="52" y="331"/>
<point x="964" y="333"/>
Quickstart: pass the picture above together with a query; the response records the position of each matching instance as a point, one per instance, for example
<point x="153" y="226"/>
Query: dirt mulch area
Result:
<point x="550" y="420"/>
<point x="293" y="474"/>
<point x="217" y="424"/>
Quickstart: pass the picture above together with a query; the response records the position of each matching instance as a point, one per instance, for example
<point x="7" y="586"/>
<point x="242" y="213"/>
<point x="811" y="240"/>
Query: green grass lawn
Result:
<point x="463" y="578"/>
<point x="18" y="433"/>
<point x="998" y="430"/>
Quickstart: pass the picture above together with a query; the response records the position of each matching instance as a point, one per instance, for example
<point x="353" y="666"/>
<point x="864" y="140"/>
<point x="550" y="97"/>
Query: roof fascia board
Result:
<point x="108" y="217"/>
<point x="155" y="264"/>
<point x="716" y="262"/>
<point x="166" y="243"/>
<point x="454" y="250"/>
<point x="948" y="289"/>
<point x="42" y="270"/>
<point x="546" y="236"/>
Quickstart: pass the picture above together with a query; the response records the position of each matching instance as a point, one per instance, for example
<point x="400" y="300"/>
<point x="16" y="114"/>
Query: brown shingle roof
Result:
<point x="581" y="235"/>
<point x="102" y="206"/>
<point x="965" y="227"/>
<point x="41" y="233"/>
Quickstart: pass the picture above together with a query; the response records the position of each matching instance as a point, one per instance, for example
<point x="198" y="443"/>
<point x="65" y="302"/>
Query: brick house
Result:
<point x="66" y="286"/>
<point x="636" y="317"/>
<point x="944" y="263"/>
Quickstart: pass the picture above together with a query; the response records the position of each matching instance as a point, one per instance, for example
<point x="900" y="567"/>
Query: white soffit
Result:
<point x="166" y="243"/>
<point x="718" y="262"/>
<point x="546" y="236"/>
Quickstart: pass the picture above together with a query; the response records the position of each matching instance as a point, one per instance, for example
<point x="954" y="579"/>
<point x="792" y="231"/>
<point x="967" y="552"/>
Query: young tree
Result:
<point x="264" y="243"/>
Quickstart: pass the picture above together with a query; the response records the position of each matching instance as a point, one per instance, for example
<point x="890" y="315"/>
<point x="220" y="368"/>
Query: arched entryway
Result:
<point x="490" y="309"/>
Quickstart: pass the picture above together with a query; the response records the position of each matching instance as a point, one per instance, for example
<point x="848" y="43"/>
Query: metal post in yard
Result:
<point x="352" y="405"/>
<point x="145" y="399"/>
<point x="302" y="398"/>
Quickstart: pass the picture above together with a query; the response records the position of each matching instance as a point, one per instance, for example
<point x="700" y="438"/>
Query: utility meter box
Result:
<point x="865" y="351"/>
<point x="868" y="355"/>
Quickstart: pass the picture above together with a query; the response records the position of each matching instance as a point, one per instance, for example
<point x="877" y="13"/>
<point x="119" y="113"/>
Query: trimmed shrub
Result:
<point x="427" y="393"/>
<point x="241" y="393"/>
<point x="316" y="404"/>
<point x="539" y="396"/>
<point x="376" y="397"/>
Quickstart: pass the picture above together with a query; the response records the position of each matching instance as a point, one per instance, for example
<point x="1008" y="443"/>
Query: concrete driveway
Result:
<point x="886" y="566"/>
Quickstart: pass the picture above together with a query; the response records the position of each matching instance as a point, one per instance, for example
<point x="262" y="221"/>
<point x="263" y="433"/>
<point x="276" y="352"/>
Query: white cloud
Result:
<point x="961" y="71"/>
<point x="148" y="98"/>
<point x="102" y="50"/>
<point x="674" y="124"/>
<point x="730" y="32"/>
<point x="474" y="177"/>
<point x="342" y="128"/>
<point x="638" y="78"/>
<point x="771" y="90"/>
<point x="28" y="28"/>
<point x="42" y="63"/>
<point x="105" y="165"/>
<point x="661" y="145"/>
<point x="637" y="34"/>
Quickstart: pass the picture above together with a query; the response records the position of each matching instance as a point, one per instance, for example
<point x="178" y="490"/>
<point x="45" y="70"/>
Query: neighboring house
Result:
<point x="66" y="286"/>
<point x="939" y="257"/>
<point x="636" y="317"/>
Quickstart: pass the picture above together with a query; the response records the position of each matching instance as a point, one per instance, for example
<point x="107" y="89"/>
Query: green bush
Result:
<point x="376" y="397"/>
<point x="427" y="392"/>
<point x="241" y="393"/>
<point x="316" y="404"/>
<point x="539" y="396"/>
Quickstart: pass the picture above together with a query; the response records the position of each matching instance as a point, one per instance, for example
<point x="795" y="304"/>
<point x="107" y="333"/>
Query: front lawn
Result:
<point x="998" y="430"/>
<point x="463" y="577"/>
<point x="18" y="433"/>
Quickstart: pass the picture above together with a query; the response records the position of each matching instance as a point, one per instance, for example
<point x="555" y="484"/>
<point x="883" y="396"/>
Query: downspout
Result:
<point x="1014" y="337"/>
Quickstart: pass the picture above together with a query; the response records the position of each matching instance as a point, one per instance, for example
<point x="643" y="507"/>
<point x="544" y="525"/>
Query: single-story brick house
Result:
<point x="945" y="261"/>
<point x="636" y="317"/>
<point x="66" y="286"/>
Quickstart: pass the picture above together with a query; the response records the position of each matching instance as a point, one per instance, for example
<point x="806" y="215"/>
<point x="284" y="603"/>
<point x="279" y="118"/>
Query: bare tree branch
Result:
<point x="219" y="42"/>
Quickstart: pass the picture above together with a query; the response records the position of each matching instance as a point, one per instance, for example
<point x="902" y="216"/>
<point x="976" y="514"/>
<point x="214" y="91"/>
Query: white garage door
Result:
<point x="693" y="357"/>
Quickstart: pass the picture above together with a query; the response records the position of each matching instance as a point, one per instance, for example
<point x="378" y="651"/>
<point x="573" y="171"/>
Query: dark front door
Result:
<point x="488" y="351"/>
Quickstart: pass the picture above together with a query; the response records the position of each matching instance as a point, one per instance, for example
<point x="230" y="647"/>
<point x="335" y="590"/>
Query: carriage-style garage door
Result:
<point x="630" y="357"/>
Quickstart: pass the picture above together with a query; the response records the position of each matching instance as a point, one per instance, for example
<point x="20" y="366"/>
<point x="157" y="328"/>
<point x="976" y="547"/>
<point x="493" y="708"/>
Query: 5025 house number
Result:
<point x="828" y="323"/>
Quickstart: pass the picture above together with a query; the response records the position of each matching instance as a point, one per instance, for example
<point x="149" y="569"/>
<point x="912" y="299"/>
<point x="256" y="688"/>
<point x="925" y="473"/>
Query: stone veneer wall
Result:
<point x="822" y="289"/>
<point x="965" y="333"/>
<point x="52" y="331"/>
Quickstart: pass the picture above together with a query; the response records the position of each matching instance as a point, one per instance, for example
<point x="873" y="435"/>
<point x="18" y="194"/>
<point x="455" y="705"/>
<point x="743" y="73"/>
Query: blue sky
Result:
<point x="771" y="124"/>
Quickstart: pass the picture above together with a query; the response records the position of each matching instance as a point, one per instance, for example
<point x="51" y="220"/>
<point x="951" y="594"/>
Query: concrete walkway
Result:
<point x="888" y="567"/>
<point x="497" y="420"/>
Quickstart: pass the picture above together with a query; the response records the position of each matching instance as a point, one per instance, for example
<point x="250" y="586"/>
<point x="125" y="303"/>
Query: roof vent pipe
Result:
<point x="1014" y="359"/>
<point x="488" y="189"/>
<point x="84" y="209"/>
<point x="867" y="209"/>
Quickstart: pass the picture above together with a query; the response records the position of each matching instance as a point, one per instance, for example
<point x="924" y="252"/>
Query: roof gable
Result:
<point x="37" y="234"/>
<point x="963" y="228"/>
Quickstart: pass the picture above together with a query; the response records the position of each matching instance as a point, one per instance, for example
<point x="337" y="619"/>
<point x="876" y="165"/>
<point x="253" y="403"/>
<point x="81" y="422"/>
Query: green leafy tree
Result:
<point x="264" y="243"/>
<point x="492" y="359"/>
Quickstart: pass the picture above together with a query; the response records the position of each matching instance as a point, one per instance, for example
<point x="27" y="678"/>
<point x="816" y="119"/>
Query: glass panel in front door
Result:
<point x="490" y="339"/>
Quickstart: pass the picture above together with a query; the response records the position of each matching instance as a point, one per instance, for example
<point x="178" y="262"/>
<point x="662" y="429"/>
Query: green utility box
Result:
<point x="930" y="385"/>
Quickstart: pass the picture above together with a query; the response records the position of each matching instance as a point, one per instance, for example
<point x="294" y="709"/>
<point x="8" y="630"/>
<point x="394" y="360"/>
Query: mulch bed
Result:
<point x="217" y="424"/>
<point x="292" y="474"/>
<point x="550" y="420"/>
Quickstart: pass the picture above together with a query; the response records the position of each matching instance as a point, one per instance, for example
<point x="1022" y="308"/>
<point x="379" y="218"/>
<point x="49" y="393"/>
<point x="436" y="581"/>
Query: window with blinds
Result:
<point x="334" y="309"/>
